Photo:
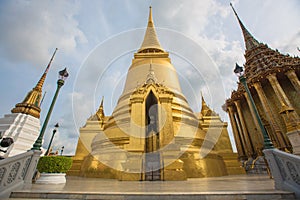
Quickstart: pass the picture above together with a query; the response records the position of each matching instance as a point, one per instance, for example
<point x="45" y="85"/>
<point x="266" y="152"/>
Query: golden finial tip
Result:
<point x="150" y="15"/>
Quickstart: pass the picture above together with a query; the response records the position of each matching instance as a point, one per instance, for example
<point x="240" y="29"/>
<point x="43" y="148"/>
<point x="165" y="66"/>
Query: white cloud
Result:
<point x="31" y="30"/>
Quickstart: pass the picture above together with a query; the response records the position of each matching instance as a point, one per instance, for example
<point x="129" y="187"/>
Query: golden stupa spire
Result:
<point x="32" y="101"/>
<point x="151" y="42"/>
<point x="40" y="84"/>
<point x="205" y="110"/>
<point x="204" y="107"/>
<point x="250" y="41"/>
<point x="100" y="111"/>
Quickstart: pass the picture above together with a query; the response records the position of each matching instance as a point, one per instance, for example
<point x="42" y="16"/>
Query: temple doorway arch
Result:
<point x="152" y="144"/>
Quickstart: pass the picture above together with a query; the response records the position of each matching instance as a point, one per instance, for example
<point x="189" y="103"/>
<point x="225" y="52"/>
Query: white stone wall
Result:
<point x="24" y="129"/>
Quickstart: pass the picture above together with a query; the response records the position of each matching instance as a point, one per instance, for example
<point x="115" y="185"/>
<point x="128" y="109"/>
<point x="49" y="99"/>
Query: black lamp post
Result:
<point x="62" y="150"/>
<point x="63" y="74"/>
<point x="239" y="72"/>
<point x="50" y="143"/>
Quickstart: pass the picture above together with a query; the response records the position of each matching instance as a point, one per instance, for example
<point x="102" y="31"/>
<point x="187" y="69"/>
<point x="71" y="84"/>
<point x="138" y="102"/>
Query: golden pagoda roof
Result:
<point x="31" y="104"/>
<point x="150" y="42"/>
<point x="262" y="60"/>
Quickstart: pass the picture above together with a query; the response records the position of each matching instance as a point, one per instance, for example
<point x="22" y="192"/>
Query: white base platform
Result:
<point x="51" y="178"/>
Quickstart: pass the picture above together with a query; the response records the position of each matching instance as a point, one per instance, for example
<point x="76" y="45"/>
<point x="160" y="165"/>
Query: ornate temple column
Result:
<point x="259" y="138"/>
<point x="241" y="134"/>
<point x="248" y="141"/>
<point x="294" y="80"/>
<point x="280" y="141"/>
<point x="283" y="99"/>
<point x="236" y="135"/>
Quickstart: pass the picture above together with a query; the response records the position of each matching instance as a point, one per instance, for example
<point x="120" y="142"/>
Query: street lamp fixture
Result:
<point x="50" y="143"/>
<point x="62" y="76"/>
<point x="62" y="150"/>
<point x="240" y="73"/>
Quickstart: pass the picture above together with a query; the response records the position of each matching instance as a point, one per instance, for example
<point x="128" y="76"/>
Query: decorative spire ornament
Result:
<point x="151" y="76"/>
<point x="151" y="42"/>
<point x="32" y="102"/>
<point x="204" y="108"/>
<point x="250" y="41"/>
<point x="100" y="112"/>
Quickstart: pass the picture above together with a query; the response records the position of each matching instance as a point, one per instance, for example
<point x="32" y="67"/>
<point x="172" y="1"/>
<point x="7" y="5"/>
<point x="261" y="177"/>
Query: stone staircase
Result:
<point x="237" y="187"/>
<point x="155" y="196"/>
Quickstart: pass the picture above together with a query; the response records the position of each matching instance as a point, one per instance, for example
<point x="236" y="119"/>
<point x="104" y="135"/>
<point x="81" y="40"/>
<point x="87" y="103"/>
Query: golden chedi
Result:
<point x="152" y="133"/>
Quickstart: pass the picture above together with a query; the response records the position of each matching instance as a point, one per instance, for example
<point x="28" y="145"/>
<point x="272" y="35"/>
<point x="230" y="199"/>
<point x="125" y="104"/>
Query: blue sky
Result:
<point x="97" y="39"/>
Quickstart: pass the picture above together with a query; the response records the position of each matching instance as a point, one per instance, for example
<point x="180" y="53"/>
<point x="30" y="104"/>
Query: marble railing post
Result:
<point x="285" y="170"/>
<point x="32" y="166"/>
<point x="16" y="171"/>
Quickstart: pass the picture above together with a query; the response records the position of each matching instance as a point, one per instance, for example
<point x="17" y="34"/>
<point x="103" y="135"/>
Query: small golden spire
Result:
<point x="205" y="110"/>
<point x="32" y="101"/>
<point x="250" y="41"/>
<point x="150" y="43"/>
<point x="151" y="76"/>
<point x="101" y="104"/>
<point x="40" y="84"/>
<point x="285" y="108"/>
<point x="150" y="19"/>
<point x="100" y="112"/>
<point x="204" y="105"/>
